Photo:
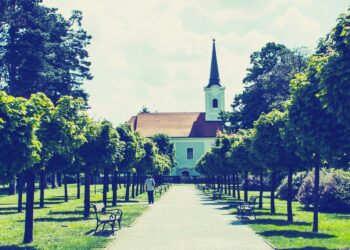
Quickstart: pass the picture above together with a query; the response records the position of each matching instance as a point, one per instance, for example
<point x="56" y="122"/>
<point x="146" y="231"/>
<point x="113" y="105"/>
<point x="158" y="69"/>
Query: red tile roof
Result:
<point x="175" y="124"/>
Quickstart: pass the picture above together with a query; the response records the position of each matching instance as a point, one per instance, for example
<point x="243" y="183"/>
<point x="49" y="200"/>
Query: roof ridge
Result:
<point x="166" y="113"/>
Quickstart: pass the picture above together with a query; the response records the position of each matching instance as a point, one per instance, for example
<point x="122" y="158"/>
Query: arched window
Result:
<point x="215" y="103"/>
<point x="185" y="173"/>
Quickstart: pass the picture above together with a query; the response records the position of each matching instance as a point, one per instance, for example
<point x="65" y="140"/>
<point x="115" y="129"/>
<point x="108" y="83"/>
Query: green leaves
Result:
<point x="266" y="84"/>
<point x="19" y="145"/>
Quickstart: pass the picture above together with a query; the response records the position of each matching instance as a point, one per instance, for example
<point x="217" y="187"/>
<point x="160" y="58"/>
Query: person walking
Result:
<point x="149" y="186"/>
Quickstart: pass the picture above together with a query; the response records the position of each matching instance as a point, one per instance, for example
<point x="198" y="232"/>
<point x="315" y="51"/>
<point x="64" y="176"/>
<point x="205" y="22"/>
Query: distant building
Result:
<point x="193" y="133"/>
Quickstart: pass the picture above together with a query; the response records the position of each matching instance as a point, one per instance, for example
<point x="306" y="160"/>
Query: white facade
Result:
<point x="186" y="163"/>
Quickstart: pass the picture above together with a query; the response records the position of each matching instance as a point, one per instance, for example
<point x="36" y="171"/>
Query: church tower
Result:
<point x="214" y="92"/>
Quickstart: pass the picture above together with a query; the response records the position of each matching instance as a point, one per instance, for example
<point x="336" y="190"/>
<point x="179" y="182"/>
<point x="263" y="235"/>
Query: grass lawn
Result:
<point x="334" y="229"/>
<point x="60" y="225"/>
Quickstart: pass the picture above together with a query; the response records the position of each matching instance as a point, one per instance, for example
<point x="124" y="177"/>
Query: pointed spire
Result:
<point x="214" y="70"/>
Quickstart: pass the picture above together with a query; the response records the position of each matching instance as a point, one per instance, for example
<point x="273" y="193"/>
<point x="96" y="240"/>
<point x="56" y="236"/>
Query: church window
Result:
<point x="215" y="103"/>
<point x="190" y="153"/>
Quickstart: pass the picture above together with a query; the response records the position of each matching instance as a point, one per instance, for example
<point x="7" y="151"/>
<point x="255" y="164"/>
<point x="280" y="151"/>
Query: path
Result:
<point x="186" y="219"/>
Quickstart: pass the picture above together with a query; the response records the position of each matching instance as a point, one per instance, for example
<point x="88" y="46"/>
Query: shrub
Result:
<point x="254" y="182"/>
<point x="334" y="191"/>
<point x="297" y="181"/>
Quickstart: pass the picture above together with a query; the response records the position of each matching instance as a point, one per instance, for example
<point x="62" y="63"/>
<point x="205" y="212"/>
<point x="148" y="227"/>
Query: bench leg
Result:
<point x="97" y="225"/>
<point x="112" y="226"/>
<point x="119" y="224"/>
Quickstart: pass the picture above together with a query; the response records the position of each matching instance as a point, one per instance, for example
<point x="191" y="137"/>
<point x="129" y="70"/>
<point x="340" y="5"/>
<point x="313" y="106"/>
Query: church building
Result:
<point x="193" y="133"/>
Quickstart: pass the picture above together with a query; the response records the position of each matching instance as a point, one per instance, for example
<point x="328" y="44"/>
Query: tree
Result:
<point x="318" y="133"/>
<point x="243" y="157"/>
<point x="111" y="155"/>
<point x="132" y="152"/>
<point x="165" y="148"/>
<point x="89" y="155"/>
<point x="41" y="107"/>
<point x="144" y="109"/>
<point x="19" y="149"/>
<point x="68" y="125"/>
<point x="41" y="51"/>
<point x="266" y="84"/>
<point x="269" y="148"/>
<point x="334" y="79"/>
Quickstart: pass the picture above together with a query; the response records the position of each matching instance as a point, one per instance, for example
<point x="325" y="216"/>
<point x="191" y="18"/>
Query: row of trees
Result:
<point x="293" y="114"/>
<point x="44" y="127"/>
<point x="40" y="138"/>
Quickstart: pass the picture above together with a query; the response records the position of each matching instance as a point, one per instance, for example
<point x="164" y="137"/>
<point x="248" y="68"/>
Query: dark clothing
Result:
<point x="150" y="195"/>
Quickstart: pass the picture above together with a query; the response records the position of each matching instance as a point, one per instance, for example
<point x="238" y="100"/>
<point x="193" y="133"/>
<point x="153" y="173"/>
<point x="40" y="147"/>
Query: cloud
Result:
<point x="295" y="26"/>
<point x="157" y="53"/>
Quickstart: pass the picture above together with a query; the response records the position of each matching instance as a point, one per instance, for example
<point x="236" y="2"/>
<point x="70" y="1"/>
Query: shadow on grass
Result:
<point x="48" y="219"/>
<point x="56" y="198"/>
<point x="8" y="210"/>
<point x="16" y="248"/>
<point x="66" y="212"/>
<point x="306" y="248"/>
<point x="104" y="233"/>
<point x="296" y="234"/>
<point x="257" y="213"/>
<point x="48" y="203"/>
<point x="278" y="222"/>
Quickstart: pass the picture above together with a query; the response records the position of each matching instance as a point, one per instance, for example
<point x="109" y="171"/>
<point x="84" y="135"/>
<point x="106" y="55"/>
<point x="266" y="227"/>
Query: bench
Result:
<point x="158" y="190"/>
<point x="111" y="218"/>
<point x="217" y="194"/>
<point x="247" y="208"/>
<point x="203" y="187"/>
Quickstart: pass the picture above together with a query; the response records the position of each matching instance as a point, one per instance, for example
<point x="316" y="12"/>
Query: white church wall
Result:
<point x="199" y="145"/>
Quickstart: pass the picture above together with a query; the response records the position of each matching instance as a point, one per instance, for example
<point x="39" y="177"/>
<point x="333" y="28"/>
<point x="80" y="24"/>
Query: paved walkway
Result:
<point x="185" y="219"/>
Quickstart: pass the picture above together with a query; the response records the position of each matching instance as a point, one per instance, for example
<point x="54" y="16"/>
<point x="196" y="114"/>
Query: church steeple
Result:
<point x="214" y="69"/>
<point x="214" y="92"/>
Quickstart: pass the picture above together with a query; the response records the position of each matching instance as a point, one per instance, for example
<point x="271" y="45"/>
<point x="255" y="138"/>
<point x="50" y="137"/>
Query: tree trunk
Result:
<point x="53" y="181"/>
<point x="42" y="189"/>
<point x="219" y="182"/>
<point x="316" y="193"/>
<point x="78" y="185"/>
<point x="120" y="182"/>
<point x="234" y="186"/>
<point x="137" y="183"/>
<point x="20" y="184"/>
<point x="238" y="190"/>
<point x="127" y="190"/>
<point x="114" y="188"/>
<point x="225" y="183"/>
<point x="29" y="222"/>
<point x="108" y="182"/>
<point x="229" y="184"/>
<point x="105" y="186"/>
<point x="87" y="194"/>
<point x="272" y="198"/>
<point x="290" y="195"/>
<point x="133" y="185"/>
<point x="65" y="187"/>
<point x="261" y="193"/>
<point x="246" y="186"/>
<point x="59" y="179"/>
<point x="94" y="177"/>
<point x="12" y="187"/>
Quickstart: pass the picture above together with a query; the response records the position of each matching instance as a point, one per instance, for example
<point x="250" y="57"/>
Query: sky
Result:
<point x="156" y="53"/>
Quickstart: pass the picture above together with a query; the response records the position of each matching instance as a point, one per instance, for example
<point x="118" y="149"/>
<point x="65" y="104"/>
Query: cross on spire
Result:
<point x="214" y="70"/>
